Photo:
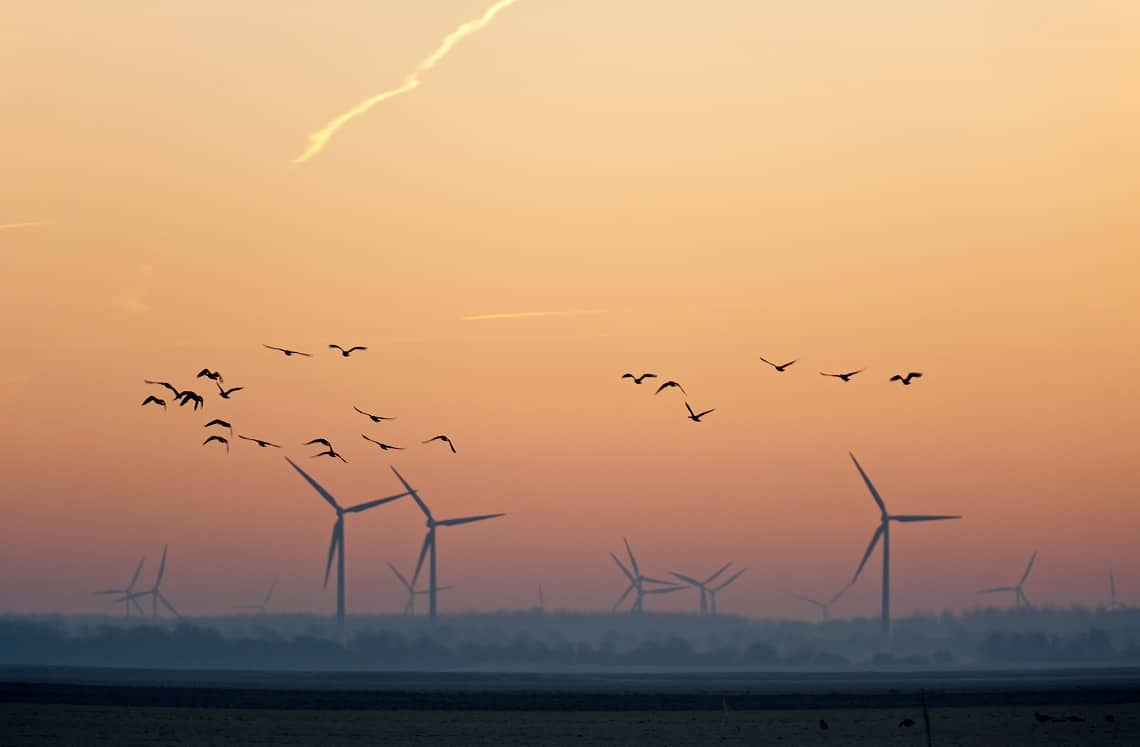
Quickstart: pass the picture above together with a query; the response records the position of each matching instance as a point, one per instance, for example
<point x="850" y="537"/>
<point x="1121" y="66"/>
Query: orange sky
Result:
<point x="894" y="185"/>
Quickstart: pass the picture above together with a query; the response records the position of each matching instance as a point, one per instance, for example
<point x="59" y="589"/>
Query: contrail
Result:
<point x="320" y="138"/>
<point x="526" y="314"/>
<point x="26" y="224"/>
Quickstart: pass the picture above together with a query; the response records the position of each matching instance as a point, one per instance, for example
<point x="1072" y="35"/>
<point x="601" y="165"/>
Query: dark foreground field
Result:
<point x="179" y="708"/>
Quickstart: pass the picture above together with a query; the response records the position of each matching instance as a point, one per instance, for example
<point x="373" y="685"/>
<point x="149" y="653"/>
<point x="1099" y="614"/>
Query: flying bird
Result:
<point x="668" y="384"/>
<point x="155" y="400"/>
<point x="639" y="379"/>
<point x="259" y="442"/>
<point x="906" y="723"/>
<point x="219" y="439"/>
<point x="844" y="376"/>
<point x="445" y="439"/>
<point x="212" y="375"/>
<point x="348" y="352"/>
<point x="330" y="453"/>
<point x="166" y="384"/>
<point x="188" y="396"/>
<point x="370" y="416"/>
<point x="219" y="421"/>
<point x="696" y="416"/>
<point x="778" y="367"/>
<point x="383" y="446"/>
<point x="225" y="393"/>
<point x="286" y="351"/>
<point x="906" y="379"/>
<point x="322" y="441"/>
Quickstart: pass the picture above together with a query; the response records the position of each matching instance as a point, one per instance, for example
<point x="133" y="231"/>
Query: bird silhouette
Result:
<point x="669" y="384"/>
<point x="370" y="416"/>
<point x="332" y="454"/>
<point x="188" y="396"/>
<point x="445" y="439"/>
<point x="906" y="723"/>
<point x="823" y="725"/>
<point x="260" y="442"/>
<point x="155" y="400"/>
<point x="696" y="416"/>
<point x="844" y="376"/>
<point x="286" y="351"/>
<point x="213" y="375"/>
<point x="219" y="439"/>
<point x="906" y="379"/>
<point x="639" y="379"/>
<point x="173" y="391"/>
<point x="383" y="446"/>
<point x="322" y="441"/>
<point x="348" y="352"/>
<point x="225" y="393"/>
<point x="778" y="367"/>
<point x="219" y="421"/>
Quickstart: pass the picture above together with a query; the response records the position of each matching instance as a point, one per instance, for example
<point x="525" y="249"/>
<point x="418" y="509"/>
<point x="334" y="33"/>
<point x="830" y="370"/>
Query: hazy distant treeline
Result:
<point x="552" y="641"/>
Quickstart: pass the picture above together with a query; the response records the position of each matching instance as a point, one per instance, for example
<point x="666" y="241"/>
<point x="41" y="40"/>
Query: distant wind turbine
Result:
<point x="336" y="544"/>
<point x="637" y="582"/>
<point x="264" y="605"/>
<point x="702" y="586"/>
<point x="128" y="600"/>
<point x="410" y="604"/>
<point x="824" y="607"/>
<point x="430" y="541"/>
<point x="714" y="590"/>
<point x="154" y="592"/>
<point x="1019" y="598"/>
<point x="883" y="532"/>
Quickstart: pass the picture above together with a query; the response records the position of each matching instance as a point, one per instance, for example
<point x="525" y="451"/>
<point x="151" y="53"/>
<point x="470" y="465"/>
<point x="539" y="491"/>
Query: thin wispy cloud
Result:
<point x="320" y="138"/>
<point x="529" y="314"/>
<point x="25" y="224"/>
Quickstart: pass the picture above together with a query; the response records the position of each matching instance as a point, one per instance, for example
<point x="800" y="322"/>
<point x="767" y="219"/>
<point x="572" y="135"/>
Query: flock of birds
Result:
<point x="186" y="397"/>
<point x="846" y="376"/>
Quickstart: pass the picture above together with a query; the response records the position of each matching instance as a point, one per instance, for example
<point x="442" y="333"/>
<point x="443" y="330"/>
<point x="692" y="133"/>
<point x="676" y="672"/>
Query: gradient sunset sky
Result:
<point x="943" y="187"/>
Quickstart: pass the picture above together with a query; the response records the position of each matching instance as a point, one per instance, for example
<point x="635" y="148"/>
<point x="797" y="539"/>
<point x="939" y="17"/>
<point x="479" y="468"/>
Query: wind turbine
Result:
<point x="883" y="532"/>
<point x="542" y="600"/>
<point x="637" y="582"/>
<point x="1112" y="603"/>
<point x="264" y="602"/>
<point x="336" y="544"/>
<point x="430" y="541"/>
<point x="154" y="592"/>
<point x="713" y="590"/>
<point x="1019" y="599"/>
<point x="410" y="605"/>
<point x="824" y="607"/>
<point x="702" y="586"/>
<point x="128" y="600"/>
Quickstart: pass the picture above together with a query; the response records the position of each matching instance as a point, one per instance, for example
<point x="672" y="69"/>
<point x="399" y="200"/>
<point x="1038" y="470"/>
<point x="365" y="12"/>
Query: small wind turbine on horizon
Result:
<point x="824" y="607"/>
<point x="125" y="594"/>
<point x="336" y="544"/>
<point x="1112" y="603"/>
<point x="883" y="532"/>
<point x="1019" y="598"/>
<point x="154" y="592"/>
<point x="702" y="586"/>
<point x="637" y="582"/>
<point x="410" y="604"/>
<point x="264" y="605"/>
<point x="714" y="590"/>
<point x="430" y="542"/>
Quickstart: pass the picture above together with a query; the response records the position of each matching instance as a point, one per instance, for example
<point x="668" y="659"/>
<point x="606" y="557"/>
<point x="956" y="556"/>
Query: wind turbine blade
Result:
<point x="838" y="594"/>
<point x="332" y="547"/>
<point x="268" y="596"/>
<point x="138" y="607"/>
<point x="467" y="520"/>
<point x="632" y="560"/>
<point x="138" y="570"/>
<point x="624" y="595"/>
<point x="112" y="591"/>
<point x="400" y="576"/>
<point x="1024" y="599"/>
<point x="809" y="600"/>
<point x="870" y="485"/>
<point x="316" y="485"/>
<point x="664" y="590"/>
<point x="1028" y="568"/>
<point x="628" y="575"/>
<point x="997" y="589"/>
<point x="443" y="588"/>
<point x="161" y="567"/>
<point x="166" y="603"/>
<point x="870" y="549"/>
<point x="372" y="504"/>
<point x="720" y="570"/>
<point x="731" y="578"/>
<point x="687" y="579"/>
<point x="413" y="493"/>
<point x="659" y="581"/>
<point x="922" y="517"/>
<point x="423" y="554"/>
